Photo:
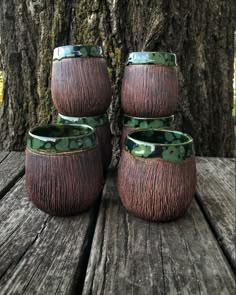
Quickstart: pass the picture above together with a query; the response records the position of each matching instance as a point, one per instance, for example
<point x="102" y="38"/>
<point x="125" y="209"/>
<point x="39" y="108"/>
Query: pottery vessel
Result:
<point x="136" y="123"/>
<point x="63" y="168"/>
<point x="80" y="83"/>
<point x="157" y="174"/>
<point x="101" y="125"/>
<point x="150" y="86"/>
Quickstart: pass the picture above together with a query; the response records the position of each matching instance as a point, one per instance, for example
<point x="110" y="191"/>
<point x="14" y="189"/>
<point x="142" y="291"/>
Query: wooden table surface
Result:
<point x="108" y="251"/>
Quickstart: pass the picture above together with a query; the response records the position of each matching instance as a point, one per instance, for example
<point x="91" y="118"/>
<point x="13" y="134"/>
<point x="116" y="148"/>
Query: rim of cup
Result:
<point x="59" y="138"/>
<point x="130" y="136"/>
<point x="155" y="118"/>
<point x="93" y="121"/>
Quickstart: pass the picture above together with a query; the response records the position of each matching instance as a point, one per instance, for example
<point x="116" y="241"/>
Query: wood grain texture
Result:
<point x="81" y="86"/>
<point x="11" y="169"/>
<point x="216" y="194"/>
<point x="40" y="254"/>
<point x="64" y="184"/>
<point x="156" y="189"/>
<point x="3" y="155"/>
<point x="149" y="91"/>
<point x="132" y="256"/>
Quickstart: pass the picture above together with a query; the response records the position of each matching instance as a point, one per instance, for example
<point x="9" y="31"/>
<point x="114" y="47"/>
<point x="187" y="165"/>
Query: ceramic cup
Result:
<point x="136" y="123"/>
<point x="157" y="174"/>
<point x="63" y="168"/>
<point x="101" y="125"/>
<point x="150" y="85"/>
<point x="80" y="84"/>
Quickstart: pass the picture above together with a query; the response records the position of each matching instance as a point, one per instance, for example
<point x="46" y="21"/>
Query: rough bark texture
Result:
<point x="201" y="34"/>
<point x="154" y="189"/>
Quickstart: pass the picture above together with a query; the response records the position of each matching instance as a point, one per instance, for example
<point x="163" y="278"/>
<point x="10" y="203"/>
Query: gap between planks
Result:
<point x="217" y="200"/>
<point x="133" y="256"/>
<point x="39" y="253"/>
<point x="12" y="168"/>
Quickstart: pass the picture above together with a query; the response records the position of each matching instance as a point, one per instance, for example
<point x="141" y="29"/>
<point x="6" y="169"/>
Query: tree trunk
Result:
<point x="199" y="32"/>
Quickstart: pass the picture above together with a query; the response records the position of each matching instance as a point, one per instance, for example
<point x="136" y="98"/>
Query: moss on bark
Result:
<point x="200" y="34"/>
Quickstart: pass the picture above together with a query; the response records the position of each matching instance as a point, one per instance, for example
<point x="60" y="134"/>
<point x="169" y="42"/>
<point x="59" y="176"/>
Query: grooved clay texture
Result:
<point x="64" y="184"/>
<point x="104" y="140"/>
<point x="81" y="86"/>
<point x="155" y="189"/>
<point x="149" y="91"/>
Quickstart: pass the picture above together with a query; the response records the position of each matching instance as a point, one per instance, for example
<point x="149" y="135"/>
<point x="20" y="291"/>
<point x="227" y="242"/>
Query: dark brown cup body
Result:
<point x="104" y="142"/>
<point x="155" y="189"/>
<point x="64" y="184"/>
<point x="81" y="86"/>
<point x="149" y="90"/>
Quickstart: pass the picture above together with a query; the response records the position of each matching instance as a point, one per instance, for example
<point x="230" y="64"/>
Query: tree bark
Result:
<point x="200" y="33"/>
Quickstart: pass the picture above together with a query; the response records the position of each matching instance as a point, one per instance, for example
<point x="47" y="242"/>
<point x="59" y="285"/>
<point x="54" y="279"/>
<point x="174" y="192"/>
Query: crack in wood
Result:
<point x="162" y="264"/>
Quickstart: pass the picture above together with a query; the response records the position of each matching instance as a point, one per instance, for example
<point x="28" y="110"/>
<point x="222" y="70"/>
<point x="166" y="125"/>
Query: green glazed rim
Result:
<point x="56" y="138"/>
<point x="168" y="145"/>
<point x="153" y="123"/>
<point x="145" y="57"/>
<point x="80" y="50"/>
<point x="94" y="121"/>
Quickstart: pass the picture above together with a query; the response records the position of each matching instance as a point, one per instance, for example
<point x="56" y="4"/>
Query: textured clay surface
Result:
<point x="104" y="141"/>
<point x="64" y="184"/>
<point x="81" y="86"/>
<point x="156" y="189"/>
<point x="149" y="91"/>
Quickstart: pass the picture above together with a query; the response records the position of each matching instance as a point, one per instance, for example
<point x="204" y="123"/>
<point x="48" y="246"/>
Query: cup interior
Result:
<point x="160" y="137"/>
<point x="61" y="138"/>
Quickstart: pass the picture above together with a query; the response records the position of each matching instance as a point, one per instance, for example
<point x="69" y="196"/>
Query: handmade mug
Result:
<point x="80" y="84"/>
<point x="149" y="85"/>
<point x="157" y="174"/>
<point x="136" y="123"/>
<point x="101" y="124"/>
<point x="63" y="168"/>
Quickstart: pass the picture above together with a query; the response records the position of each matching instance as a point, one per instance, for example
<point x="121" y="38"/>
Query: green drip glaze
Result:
<point x="171" y="146"/>
<point x="160" y="58"/>
<point x="155" y="123"/>
<point x="94" y="121"/>
<point x="77" y="51"/>
<point x="61" y="138"/>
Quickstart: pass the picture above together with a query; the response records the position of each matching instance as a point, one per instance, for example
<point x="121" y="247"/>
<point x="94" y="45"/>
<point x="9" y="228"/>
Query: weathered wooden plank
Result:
<point x="132" y="256"/>
<point x="216" y="194"/>
<point x="40" y="254"/>
<point x="11" y="169"/>
<point x="3" y="155"/>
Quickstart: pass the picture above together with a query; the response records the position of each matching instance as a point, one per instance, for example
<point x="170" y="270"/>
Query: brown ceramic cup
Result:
<point x="80" y="82"/>
<point x="102" y="127"/>
<point x="136" y="123"/>
<point x="157" y="174"/>
<point x="63" y="168"/>
<point x="149" y="85"/>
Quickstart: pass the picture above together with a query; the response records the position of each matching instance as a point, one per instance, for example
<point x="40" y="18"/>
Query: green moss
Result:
<point x="118" y="55"/>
